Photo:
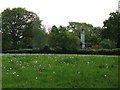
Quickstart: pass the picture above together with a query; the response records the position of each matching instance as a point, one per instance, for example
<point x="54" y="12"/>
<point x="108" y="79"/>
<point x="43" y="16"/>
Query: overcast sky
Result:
<point x="60" y="12"/>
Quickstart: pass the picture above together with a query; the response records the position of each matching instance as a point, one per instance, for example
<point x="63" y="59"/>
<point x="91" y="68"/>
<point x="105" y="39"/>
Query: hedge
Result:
<point x="81" y="51"/>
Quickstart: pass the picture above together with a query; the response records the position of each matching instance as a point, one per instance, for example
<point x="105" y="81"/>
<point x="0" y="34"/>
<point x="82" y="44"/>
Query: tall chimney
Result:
<point x="83" y="38"/>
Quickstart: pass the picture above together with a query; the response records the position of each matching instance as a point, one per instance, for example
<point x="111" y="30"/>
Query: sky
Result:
<point x="60" y="12"/>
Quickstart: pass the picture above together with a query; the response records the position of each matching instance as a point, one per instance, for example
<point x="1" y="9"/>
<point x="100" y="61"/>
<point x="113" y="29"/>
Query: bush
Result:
<point x="108" y="44"/>
<point x="81" y="51"/>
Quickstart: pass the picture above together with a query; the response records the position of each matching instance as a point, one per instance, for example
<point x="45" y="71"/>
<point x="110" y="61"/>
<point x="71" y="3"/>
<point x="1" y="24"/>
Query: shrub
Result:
<point x="108" y="44"/>
<point x="81" y="51"/>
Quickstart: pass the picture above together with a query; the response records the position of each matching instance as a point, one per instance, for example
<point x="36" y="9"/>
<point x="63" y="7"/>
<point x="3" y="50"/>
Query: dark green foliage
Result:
<point x="6" y="42"/>
<point x="108" y="44"/>
<point x="81" y="51"/>
<point x="39" y="36"/>
<point x="22" y="29"/>
<point x="0" y="33"/>
<point x="111" y="28"/>
<point x="61" y="38"/>
<point x="92" y="34"/>
<point x="16" y="28"/>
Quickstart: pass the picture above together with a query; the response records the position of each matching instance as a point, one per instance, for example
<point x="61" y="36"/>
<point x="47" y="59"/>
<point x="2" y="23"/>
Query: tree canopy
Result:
<point x="16" y="28"/>
<point x="111" y="28"/>
<point x="22" y="29"/>
<point x="92" y="34"/>
<point x="61" y="38"/>
<point x="39" y="39"/>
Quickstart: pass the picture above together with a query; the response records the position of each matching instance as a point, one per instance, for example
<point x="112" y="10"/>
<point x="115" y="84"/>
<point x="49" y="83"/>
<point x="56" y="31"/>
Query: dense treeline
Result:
<point x="22" y="29"/>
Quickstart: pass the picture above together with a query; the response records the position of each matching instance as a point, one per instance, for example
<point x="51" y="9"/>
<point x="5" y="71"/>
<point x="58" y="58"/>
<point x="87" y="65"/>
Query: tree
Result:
<point x="95" y="36"/>
<point x="4" y="38"/>
<point x="92" y="34"/>
<point x="111" y="28"/>
<point x="53" y="37"/>
<point x="61" y="38"/>
<point x="16" y="27"/>
<point x="39" y="35"/>
<point x="0" y="33"/>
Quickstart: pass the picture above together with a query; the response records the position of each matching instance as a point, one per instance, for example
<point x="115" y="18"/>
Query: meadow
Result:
<point x="59" y="71"/>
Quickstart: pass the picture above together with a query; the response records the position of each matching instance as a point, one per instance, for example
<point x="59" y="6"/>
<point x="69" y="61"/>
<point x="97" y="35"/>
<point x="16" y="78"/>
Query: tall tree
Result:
<point x="111" y="28"/>
<point x="17" y="24"/>
<point x="61" y="38"/>
<point x="39" y="35"/>
<point x="53" y="37"/>
<point x="0" y="33"/>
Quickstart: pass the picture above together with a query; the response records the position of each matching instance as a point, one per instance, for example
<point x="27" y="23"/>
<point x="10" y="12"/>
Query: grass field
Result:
<point x="59" y="71"/>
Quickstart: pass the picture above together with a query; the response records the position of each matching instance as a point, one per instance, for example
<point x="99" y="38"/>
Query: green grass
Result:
<point x="59" y="71"/>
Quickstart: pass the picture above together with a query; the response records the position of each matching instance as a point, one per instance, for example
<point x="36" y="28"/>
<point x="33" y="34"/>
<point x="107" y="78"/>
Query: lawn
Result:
<point x="59" y="71"/>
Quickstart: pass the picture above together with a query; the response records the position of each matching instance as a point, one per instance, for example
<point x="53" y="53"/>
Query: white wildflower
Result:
<point x="53" y="72"/>
<point x="78" y="72"/>
<point x="14" y="72"/>
<point x="105" y="76"/>
<point x="71" y="57"/>
<point x="67" y="63"/>
<point x="23" y="66"/>
<point x="106" y="65"/>
<point x="35" y="61"/>
<point x="17" y="75"/>
<point x="36" y="78"/>
<point x="88" y="62"/>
